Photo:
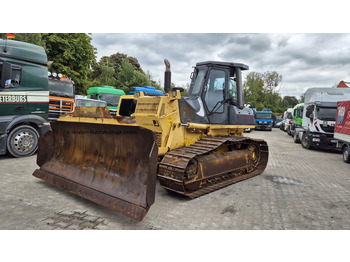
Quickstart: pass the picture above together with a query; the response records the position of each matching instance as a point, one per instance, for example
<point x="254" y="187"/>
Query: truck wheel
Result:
<point x="22" y="141"/>
<point x="305" y="141"/>
<point x="346" y="154"/>
<point x="296" y="137"/>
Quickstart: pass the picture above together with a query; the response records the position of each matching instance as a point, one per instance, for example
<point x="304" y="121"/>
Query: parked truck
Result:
<point x="287" y="117"/>
<point x="320" y="110"/>
<point x="61" y="91"/>
<point x="147" y="90"/>
<point x="342" y="129"/>
<point x="263" y="120"/>
<point x="109" y="94"/>
<point x="24" y="97"/>
<point x="297" y="121"/>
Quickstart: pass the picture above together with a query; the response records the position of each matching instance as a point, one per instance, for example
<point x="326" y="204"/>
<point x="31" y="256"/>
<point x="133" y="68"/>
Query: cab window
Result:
<point x="215" y="91"/>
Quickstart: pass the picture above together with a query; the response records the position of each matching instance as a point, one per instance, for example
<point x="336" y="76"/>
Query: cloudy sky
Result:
<point x="303" y="60"/>
<point x="307" y="42"/>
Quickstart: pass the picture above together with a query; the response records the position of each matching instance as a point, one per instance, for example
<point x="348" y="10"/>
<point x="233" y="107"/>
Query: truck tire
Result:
<point x="305" y="141"/>
<point x="22" y="141"/>
<point x="296" y="138"/>
<point x="346" y="154"/>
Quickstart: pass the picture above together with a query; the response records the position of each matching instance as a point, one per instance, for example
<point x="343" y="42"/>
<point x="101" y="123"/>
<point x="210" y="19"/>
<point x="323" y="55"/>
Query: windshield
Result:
<point x="112" y="100"/>
<point x="196" y="83"/>
<point x="89" y="103"/>
<point x="263" y="116"/>
<point x="289" y="115"/>
<point x="326" y="113"/>
<point x="61" y="88"/>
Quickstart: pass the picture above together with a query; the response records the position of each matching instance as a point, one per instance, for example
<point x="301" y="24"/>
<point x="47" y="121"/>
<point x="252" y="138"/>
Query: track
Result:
<point x="212" y="163"/>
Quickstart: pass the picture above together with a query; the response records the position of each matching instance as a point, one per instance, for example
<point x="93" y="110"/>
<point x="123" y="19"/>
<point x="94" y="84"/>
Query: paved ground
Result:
<point x="300" y="189"/>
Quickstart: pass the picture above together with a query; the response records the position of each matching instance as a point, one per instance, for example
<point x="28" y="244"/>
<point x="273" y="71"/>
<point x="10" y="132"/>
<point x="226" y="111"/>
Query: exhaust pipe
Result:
<point x="167" y="77"/>
<point x="240" y="99"/>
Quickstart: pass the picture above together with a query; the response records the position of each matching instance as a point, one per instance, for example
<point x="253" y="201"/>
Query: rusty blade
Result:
<point x="112" y="165"/>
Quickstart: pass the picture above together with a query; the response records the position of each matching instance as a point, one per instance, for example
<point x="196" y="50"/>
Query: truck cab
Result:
<point x="263" y="120"/>
<point x="24" y="97"/>
<point x="287" y="117"/>
<point x="296" y="123"/>
<point x="109" y="94"/>
<point x="61" y="91"/>
<point x="320" y="110"/>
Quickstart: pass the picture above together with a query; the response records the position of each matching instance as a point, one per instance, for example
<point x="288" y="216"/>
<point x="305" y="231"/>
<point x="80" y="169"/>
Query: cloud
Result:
<point x="304" y="60"/>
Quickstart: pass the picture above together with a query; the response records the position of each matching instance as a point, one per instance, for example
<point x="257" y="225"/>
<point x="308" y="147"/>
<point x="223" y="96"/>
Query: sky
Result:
<point x="307" y="42"/>
<point x="303" y="59"/>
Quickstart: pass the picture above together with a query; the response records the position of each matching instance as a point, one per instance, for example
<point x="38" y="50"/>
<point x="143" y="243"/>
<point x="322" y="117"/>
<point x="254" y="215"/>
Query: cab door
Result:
<point x="214" y="96"/>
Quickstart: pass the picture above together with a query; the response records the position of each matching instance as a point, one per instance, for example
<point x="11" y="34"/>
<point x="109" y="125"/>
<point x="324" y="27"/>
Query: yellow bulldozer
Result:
<point x="193" y="145"/>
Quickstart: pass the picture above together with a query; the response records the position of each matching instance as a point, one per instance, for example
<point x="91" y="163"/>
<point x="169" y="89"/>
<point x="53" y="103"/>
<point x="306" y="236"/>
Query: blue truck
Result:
<point x="263" y="120"/>
<point x="147" y="90"/>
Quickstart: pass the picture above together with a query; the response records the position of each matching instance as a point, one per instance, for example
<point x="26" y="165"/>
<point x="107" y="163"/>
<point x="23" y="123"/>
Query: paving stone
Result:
<point x="299" y="190"/>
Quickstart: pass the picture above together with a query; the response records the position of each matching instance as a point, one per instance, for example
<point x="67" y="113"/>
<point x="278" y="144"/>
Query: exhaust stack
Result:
<point x="167" y="77"/>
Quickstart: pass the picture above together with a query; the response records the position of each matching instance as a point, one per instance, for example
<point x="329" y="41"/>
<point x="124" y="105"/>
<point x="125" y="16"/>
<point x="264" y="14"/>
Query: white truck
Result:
<point x="320" y="110"/>
<point x="287" y="116"/>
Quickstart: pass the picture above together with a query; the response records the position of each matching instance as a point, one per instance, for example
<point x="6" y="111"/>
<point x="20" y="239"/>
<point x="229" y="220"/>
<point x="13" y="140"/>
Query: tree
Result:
<point x="259" y="90"/>
<point x="127" y="72"/>
<point x="115" y="61"/>
<point x="271" y="80"/>
<point x="31" y="38"/>
<point x="129" y="77"/>
<point x="289" y="101"/>
<point x="253" y="89"/>
<point x="72" y="55"/>
<point x="107" y="76"/>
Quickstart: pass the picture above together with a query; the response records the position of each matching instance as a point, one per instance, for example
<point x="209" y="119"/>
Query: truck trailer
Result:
<point x="342" y="129"/>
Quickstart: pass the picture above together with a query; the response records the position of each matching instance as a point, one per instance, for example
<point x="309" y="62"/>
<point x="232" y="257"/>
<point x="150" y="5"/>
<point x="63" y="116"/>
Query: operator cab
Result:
<point x="216" y="95"/>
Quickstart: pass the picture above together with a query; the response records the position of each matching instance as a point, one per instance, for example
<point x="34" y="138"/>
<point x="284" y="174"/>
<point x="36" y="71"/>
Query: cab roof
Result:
<point x="13" y="49"/>
<point x="224" y="64"/>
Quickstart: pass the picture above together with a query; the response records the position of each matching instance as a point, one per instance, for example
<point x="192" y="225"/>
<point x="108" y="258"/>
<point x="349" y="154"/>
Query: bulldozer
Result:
<point x="193" y="145"/>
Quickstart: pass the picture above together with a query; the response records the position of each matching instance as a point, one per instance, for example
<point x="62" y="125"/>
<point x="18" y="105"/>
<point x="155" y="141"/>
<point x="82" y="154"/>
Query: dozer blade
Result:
<point x="112" y="165"/>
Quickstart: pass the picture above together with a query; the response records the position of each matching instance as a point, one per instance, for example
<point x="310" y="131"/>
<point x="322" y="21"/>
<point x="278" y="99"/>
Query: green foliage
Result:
<point x="115" y="62"/>
<point x="107" y="76"/>
<point x="35" y="39"/>
<point x="253" y="89"/>
<point x="72" y="55"/>
<point x="289" y="101"/>
<point x="259" y="91"/>
<point x="129" y="77"/>
<point x="122" y="71"/>
<point x="271" y="80"/>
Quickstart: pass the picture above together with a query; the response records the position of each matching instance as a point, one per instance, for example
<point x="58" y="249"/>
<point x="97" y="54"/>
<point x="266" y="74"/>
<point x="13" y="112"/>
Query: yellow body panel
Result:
<point x="161" y="114"/>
